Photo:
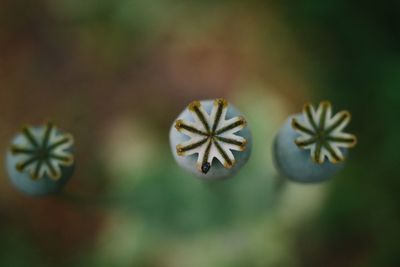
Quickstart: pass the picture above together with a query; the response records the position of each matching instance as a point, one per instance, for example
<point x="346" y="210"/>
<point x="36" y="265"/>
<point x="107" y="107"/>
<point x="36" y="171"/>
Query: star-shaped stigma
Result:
<point x="43" y="151"/>
<point x="211" y="135"/>
<point x="323" y="134"/>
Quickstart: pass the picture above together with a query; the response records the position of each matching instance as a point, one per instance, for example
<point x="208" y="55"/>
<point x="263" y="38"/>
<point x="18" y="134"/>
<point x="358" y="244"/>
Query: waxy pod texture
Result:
<point x="40" y="160"/>
<point x="311" y="146"/>
<point x="211" y="139"/>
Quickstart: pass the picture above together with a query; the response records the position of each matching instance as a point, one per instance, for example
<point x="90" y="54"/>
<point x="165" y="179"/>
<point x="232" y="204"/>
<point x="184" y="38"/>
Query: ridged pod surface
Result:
<point x="311" y="146"/>
<point x="40" y="159"/>
<point x="211" y="139"/>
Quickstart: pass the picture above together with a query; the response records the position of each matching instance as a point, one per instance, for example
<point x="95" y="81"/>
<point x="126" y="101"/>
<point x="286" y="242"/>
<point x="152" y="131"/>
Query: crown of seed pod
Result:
<point x="40" y="159"/>
<point x="311" y="146"/>
<point x="211" y="139"/>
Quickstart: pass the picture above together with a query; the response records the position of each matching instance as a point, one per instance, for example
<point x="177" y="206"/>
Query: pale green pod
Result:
<point x="211" y="139"/>
<point x="40" y="160"/>
<point x="311" y="146"/>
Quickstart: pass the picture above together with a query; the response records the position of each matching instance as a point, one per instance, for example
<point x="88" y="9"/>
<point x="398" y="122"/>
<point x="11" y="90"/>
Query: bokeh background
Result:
<point x="115" y="73"/>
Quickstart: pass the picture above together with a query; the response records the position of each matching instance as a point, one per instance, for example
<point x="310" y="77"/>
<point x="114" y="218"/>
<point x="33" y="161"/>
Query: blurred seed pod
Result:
<point x="311" y="146"/>
<point x="40" y="160"/>
<point x="211" y="139"/>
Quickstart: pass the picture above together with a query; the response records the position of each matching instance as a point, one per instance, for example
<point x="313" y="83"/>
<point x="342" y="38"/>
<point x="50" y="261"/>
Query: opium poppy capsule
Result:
<point x="211" y="139"/>
<point x="40" y="159"/>
<point x="311" y="146"/>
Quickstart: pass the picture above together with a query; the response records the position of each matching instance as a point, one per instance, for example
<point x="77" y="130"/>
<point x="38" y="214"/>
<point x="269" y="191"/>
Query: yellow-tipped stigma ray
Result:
<point x="211" y="135"/>
<point x="322" y="133"/>
<point x="44" y="151"/>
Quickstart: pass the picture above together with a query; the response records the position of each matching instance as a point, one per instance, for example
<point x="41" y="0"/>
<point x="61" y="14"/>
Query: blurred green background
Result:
<point x="116" y="73"/>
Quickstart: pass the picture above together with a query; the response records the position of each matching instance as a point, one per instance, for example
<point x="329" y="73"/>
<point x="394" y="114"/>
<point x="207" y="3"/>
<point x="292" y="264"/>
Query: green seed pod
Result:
<point x="311" y="146"/>
<point x="211" y="139"/>
<point x="40" y="160"/>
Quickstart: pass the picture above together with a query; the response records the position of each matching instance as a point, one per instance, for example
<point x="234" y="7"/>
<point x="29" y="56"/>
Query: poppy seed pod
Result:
<point x="311" y="146"/>
<point x="40" y="160"/>
<point x="211" y="139"/>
